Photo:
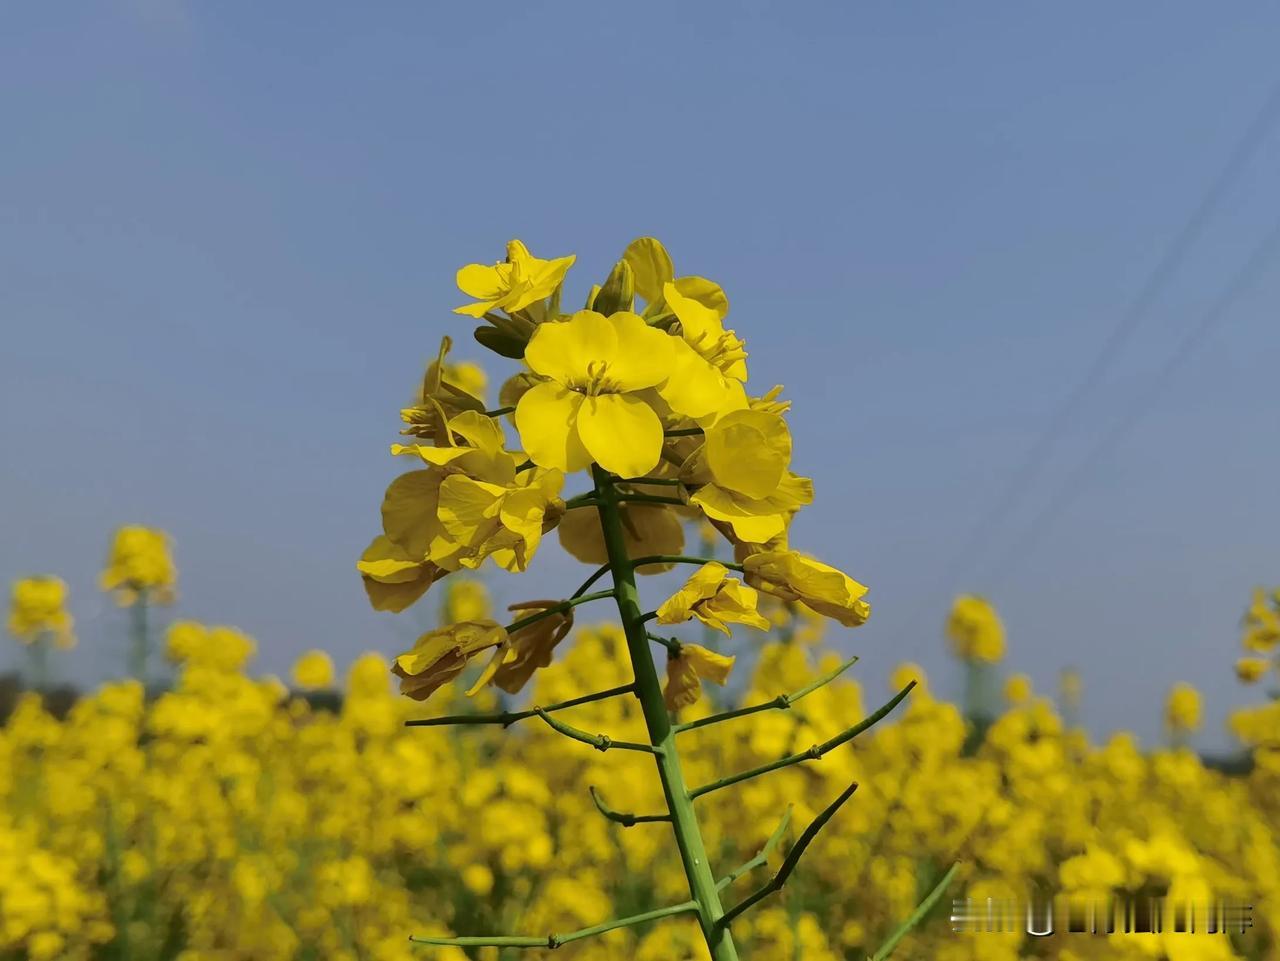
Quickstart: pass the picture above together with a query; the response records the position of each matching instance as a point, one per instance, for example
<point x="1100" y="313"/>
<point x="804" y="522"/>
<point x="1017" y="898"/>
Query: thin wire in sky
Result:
<point x="1252" y="270"/>
<point x="1166" y="268"/>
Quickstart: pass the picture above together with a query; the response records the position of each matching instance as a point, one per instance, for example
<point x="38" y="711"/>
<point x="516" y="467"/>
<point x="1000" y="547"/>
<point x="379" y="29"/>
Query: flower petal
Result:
<point x="564" y="350"/>
<point x="546" y="419"/>
<point x="622" y="433"/>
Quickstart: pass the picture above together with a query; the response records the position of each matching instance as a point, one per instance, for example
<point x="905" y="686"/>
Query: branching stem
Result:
<point x="812" y="754"/>
<point x="693" y="852"/>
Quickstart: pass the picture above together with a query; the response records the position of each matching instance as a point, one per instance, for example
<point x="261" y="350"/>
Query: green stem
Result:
<point x="781" y="703"/>
<point x="141" y="642"/>
<point x="649" y="499"/>
<point x="601" y="742"/>
<point x="582" y="588"/>
<point x="39" y="653"/>
<point x="812" y="754"/>
<point x="622" y="817"/>
<point x="791" y="860"/>
<point x="500" y="411"/>
<point x="917" y="915"/>
<point x="507" y="718"/>
<point x="670" y="643"/>
<point x="556" y="609"/>
<point x="693" y="853"/>
<point x="658" y="481"/>
<point x="762" y="856"/>
<point x="555" y="940"/>
<point x="683" y="559"/>
<point x="683" y="432"/>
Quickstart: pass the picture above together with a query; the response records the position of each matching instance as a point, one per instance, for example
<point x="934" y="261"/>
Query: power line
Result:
<point x="1249" y="273"/>
<point x="1148" y="294"/>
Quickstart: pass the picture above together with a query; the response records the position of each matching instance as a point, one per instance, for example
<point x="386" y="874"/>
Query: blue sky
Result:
<point x="229" y="234"/>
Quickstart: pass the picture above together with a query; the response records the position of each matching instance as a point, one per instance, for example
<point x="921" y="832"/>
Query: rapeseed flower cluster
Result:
<point x="645" y="391"/>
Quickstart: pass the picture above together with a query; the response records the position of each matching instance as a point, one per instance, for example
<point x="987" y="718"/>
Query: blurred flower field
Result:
<point x="233" y="817"/>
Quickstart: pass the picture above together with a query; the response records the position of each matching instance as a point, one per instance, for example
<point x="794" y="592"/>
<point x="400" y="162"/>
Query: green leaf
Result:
<point x="508" y="345"/>
<point x="651" y="265"/>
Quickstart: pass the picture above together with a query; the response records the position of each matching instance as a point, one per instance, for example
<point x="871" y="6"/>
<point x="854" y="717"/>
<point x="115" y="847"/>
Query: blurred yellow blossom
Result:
<point x="975" y="629"/>
<point x="1182" y="708"/>
<point x="139" y="566"/>
<point x="38" y="607"/>
<point x="313" y="671"/>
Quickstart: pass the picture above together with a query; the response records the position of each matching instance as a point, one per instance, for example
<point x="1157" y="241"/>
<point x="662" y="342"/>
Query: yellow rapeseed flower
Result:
<point x="1262" y="622"/>
<point x="38" y="607"/>
<point x="1182" y="709"/>
<point x="529" y="648"/>
<point x="139" y="562"/>
<point x="792" y="576"/>
<point x="687" y="669"/>
<point x="441" y="655"/>
<point x="742" y="475"/>
<point x="1017" y="689"/>
<point x="648" y="529"/>
<point x="446" y="391"/>
<point x="1252" y="669"/>
<point x="513" y="284"/>
<point x="592" y="406"/>
<point x="313" y="671"/>
<point x="714" y="598"/>
<point x="469" y="504"/>
<point x="975" y="629"/>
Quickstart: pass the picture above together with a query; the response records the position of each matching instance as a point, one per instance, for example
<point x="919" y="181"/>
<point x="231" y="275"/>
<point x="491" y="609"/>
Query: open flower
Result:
<point x="592" y="408"/>
<point x="513" y="284"/>
<point x="742" y="475"/>
<point x="792" y="576"/>
<point x="470" y="503"/>
<point x="688" y="669"/>
<point x="441" y="655"/>
<point x="531" y="647"/>
<point x="714" y="598"/>
<point x="702" y="328"/>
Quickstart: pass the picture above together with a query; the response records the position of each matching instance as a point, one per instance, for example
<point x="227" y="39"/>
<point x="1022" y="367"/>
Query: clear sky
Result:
<point x="228" y="235"/>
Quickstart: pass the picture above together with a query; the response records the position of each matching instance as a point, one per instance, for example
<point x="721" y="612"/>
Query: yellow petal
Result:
<point x="698" y="322"/>
<point x="409" y="511"/>
<point x="651" y="265"/>
<point x="749" y="451"/>
<point x="705" y="292"/>
<point x="621" y="432"/>
<point x="710" y="665"/>
<point x="481" y="432"/>
<point x="566" y="350"/>
<point x="547" y="420"/>
<point x="697" y="389"/>
<point x="643" y="353"/>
